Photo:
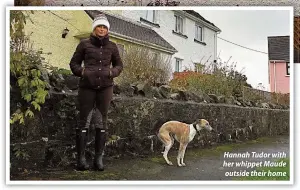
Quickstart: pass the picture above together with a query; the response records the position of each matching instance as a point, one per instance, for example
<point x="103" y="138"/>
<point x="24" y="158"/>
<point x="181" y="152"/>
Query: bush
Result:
<point x="25" y="70"/>
<point x="144" y="65"/>
<point x="279" y="98"/>
<point x="214" y="78"/>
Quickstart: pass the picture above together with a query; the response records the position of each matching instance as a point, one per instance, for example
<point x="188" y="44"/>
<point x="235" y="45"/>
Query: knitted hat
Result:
<point x="100" y="20"/>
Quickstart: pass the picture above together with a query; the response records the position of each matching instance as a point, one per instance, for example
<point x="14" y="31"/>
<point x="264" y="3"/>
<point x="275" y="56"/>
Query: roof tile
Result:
<point x="279" y="48"/>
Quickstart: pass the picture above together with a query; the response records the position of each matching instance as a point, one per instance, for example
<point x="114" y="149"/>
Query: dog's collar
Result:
<point x="195" y="127"/>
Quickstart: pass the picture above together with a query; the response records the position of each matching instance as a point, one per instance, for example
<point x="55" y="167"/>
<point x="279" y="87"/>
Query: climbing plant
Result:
<point x="25" y="69"/>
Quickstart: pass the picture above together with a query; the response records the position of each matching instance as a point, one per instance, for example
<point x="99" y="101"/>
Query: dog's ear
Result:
<point x="196" y="122"/>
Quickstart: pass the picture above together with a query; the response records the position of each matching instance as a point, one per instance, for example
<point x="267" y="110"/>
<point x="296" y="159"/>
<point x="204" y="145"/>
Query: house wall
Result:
<point x="45" y="33"/>
<point x="188" y="50"/>
<point x="279" y="81"/>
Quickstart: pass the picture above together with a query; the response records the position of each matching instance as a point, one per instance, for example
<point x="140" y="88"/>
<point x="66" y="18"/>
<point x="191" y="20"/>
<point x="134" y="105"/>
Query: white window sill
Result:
<point x="200" y="42"/>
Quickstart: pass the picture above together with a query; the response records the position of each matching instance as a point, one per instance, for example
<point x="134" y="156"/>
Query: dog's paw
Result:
<point x="180" y="165"/>
<point x="183" y="164"/>
<point x="170" y="163"/>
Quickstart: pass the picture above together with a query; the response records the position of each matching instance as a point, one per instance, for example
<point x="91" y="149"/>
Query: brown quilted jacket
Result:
<point x="101" y="59"/>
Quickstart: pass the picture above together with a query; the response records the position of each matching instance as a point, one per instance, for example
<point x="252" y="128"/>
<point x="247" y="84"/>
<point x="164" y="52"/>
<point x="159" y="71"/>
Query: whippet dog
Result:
<point x="183" y="133"/>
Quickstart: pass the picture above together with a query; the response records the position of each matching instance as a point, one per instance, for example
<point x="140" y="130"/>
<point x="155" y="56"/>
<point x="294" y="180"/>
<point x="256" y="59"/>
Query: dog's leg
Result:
<point x="172" y="138"/>
<point x="180" y="153"/>
<point x="163" y="148"/>
<point x="168" y="142"/>
<point x="165" y="155"/>
<point x="182" y="156"/>
<point x="163" y="144"/>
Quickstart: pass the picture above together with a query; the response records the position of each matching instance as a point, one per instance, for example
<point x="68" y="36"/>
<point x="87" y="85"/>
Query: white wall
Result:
<point x="188" y="50"/>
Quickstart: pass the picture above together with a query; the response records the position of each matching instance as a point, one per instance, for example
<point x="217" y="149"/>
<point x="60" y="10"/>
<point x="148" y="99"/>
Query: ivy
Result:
<point x="20" y="153"/>
<point x="25" y="65"/>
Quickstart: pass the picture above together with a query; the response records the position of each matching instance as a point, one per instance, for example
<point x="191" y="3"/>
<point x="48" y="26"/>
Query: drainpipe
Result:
<point x="216" y="43"/>
<point x="215" y="48"/>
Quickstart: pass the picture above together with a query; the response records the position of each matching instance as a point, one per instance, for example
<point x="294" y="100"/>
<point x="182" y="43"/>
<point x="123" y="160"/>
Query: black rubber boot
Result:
<point x="100" y="139"/>
<point x="81" y="139"/>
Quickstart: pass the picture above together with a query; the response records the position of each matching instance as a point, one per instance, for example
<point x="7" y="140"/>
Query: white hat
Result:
<point x="100" y="20"/>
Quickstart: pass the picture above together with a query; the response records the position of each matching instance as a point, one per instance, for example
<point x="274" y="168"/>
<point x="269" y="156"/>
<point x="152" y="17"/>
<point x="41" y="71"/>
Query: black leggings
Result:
<point x="100" y="100"/>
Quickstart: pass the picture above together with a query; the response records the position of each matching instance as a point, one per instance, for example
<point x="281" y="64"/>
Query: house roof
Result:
<point x="279" y="48"/>
<point x="196" y="14"/>
<point x="133" y="30"/>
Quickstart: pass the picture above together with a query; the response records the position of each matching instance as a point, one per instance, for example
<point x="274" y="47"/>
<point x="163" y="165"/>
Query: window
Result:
<point x="178" y="63"/>
<point x="121" y="49"/>
<point x="150" y="15"/>
<point x="288" y="68"/>
<point x="178" y="24"/>
<point x="198" y="33"/>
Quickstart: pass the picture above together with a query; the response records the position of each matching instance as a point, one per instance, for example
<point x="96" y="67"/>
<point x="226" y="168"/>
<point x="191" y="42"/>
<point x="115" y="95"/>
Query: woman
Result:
<point x="102" y="63"/>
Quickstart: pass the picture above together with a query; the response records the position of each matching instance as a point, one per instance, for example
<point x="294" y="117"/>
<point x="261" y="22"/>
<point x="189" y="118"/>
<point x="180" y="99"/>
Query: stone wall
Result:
<point x="49" y="139"/>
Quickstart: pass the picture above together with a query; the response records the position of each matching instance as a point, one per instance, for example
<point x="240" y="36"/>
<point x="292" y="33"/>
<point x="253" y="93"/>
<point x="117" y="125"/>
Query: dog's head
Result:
<point x="203" y="124"/>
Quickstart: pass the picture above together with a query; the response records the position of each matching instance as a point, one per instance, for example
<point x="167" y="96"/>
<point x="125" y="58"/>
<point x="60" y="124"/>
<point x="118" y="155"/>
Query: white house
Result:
<point x="194" y="37"/>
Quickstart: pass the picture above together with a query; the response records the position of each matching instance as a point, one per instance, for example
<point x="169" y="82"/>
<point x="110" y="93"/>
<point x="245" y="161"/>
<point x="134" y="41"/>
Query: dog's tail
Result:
<point x="157" y="125"/>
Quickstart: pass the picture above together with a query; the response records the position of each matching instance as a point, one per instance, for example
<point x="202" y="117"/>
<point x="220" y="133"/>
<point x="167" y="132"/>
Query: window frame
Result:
<point x="153" y="22"/>
<point x="153" y="19"/>
<point x="197" y="26"/>
<point x="287" y="66"/>
<point x="180" y="30"/>
<point x="177" y="67"/>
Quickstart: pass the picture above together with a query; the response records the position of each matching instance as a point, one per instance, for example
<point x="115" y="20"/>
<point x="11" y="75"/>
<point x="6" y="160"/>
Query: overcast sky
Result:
<point x="251" y="29"/>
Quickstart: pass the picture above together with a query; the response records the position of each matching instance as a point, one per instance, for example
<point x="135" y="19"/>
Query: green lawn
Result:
<point x="272" y="169"/>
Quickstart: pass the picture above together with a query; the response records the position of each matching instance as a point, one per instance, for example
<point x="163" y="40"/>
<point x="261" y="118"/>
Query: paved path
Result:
<point x="199" y="166"/>
<point x="295" y="3"/>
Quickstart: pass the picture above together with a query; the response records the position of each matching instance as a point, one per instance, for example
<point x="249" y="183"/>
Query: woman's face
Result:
<point x="101" y="30"/>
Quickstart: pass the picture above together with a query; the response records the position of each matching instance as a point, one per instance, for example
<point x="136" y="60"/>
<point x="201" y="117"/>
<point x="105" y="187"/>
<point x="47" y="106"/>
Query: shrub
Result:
<point x="144" y="65"/>
<point x="214" y="78"/>
<point x="25" y="65"/>
<point x="279" y="98"/>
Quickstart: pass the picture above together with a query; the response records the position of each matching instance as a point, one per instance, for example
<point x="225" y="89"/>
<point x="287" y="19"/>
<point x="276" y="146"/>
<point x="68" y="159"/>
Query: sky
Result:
<point x="251" y="29"/>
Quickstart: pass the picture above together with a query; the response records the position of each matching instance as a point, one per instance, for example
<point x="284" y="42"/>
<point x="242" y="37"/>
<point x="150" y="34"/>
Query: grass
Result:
<point x="271" y="169"/>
